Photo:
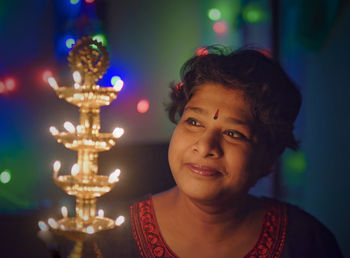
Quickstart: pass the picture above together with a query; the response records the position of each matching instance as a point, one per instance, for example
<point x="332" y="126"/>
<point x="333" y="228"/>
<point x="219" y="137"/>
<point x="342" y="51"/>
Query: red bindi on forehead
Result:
<point x="216" y="116"/>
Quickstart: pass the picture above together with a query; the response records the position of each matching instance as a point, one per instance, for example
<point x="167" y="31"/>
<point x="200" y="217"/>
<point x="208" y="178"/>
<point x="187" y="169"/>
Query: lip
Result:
<point x="203" y="170"/>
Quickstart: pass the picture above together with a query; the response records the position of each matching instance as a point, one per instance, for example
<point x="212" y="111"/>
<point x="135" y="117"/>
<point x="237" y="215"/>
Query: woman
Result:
<point x="236" y="113"/>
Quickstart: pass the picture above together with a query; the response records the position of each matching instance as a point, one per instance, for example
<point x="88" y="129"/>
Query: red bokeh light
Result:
<point x="2" y="87"/>
<point x="89" y="1"/>
<point x="220" y="27"/>
<point x="10" y="84"/>
<point x="46" y="75"/>
<point x="142" y="106"/>
<point x="202" y="51"/>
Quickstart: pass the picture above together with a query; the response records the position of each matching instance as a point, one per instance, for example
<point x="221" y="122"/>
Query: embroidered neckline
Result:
<point x="150" y="242"/>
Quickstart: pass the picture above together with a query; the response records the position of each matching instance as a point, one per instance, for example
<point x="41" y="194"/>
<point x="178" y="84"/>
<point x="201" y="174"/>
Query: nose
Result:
<point x="208" y="145"/>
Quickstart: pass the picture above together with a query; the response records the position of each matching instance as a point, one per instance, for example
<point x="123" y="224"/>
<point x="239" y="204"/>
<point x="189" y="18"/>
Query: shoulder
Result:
<point x="306" y="236"/>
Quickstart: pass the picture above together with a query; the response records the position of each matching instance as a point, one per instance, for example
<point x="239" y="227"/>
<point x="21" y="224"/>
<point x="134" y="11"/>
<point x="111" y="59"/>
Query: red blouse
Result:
<point x="151" y="243"/>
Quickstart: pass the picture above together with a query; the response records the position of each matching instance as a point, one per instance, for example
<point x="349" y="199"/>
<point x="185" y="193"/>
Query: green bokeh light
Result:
<point x="74" y="1"/>
<point x="70" y="42"/>
<point x="294" y="166"/>
<point x="254" y="13"/>
<point x="114" y="79"/>
<point x="5" y="176"/>
<point x="100" y="38"/>
<point x="214" y="14"/>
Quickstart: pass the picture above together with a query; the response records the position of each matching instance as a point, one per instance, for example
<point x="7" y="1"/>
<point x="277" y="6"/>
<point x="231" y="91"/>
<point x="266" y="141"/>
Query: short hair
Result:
<point x="273" y="97"/>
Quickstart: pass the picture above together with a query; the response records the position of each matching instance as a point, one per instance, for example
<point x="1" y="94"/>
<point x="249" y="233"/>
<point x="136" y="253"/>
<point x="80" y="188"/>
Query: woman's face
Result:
<point x="213" y="153"/>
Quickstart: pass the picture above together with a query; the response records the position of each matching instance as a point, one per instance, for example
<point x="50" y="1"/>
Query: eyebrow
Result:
<point x="205" y="112"/>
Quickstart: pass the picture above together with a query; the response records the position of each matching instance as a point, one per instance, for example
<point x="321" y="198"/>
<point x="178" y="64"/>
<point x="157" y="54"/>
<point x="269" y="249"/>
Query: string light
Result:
<point x="214" y="14"/>
<point x="220" y="27"/>
<point x="46" y="75"/>
<point x="5" y="176"/>
<point x="142" y="106"/>
<point x="10" y="84"/>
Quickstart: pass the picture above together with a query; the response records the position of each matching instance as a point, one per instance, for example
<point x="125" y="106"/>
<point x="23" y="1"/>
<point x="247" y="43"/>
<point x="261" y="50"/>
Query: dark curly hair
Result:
<point x="273" y="97"/>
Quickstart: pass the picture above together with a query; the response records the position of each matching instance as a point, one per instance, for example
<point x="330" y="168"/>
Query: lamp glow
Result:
<point x="118" y="132"/>
<point x="52" y="82"/>
<point x="69" y="127"/>
<point x="75" y="169"/>
<point x="120" y="220"/>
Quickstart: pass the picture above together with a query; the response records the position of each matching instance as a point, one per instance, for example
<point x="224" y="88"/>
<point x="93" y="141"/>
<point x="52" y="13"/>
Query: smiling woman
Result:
<point x="234" y="113"/>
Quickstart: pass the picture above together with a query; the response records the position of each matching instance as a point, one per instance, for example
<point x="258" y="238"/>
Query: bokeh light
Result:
<point x="114" y="79"/>
<point x="254" y="13"/>
<point x="46" y="75"/>
<point x="142" y="106"/>
<point x="202" y="51"/>
<point x="5" y="176"/>
<point x="214" y="14"/>
<point x="74" y="1"/>
<point x="89" y="1"/>
<point x="2" y="87"/>
<point x="100" y="38"/>
<point x="10" y="84"/>
<point x="220" y="27"/>
<point x="70" y="42"/>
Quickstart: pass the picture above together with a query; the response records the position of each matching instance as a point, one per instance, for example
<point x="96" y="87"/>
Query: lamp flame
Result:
<point x="77" y="77"/>
<point x="53" y="130"/>
<point x="69" y="127"/>
<point x="52" y="82"/>
<point x="120" y="220"/>
<point x="75" y="169"/>
<point x="64" y="212"/>
<point x="118" y="132"/>
<point x="100" y="213"/>
<point x="114" y="177"/>
<point x="118" y="85"/>
<point x="52" y="223"/>
<point x="42" y="225"/>
<point x="56" y="166"/>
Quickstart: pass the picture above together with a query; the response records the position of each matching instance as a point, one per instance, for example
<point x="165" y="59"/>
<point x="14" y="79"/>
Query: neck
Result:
<point x="218" y="218"/>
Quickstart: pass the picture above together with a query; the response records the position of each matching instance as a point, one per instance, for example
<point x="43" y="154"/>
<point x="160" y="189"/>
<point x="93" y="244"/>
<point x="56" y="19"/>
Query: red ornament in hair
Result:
<point x="178" y="88"/>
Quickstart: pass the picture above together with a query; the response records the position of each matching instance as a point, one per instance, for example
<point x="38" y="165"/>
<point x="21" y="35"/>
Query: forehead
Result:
<point x="212" y="97"/>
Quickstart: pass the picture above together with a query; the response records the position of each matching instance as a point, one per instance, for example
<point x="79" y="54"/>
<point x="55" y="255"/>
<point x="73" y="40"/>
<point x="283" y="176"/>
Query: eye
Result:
<point x="235" y="135"/>
<point x="192" y="121"/>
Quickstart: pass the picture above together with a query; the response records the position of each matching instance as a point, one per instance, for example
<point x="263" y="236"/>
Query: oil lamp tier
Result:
<point x="90" y="187"/>
<point x="76" y="141"/>
<point x="91" y="97"/>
